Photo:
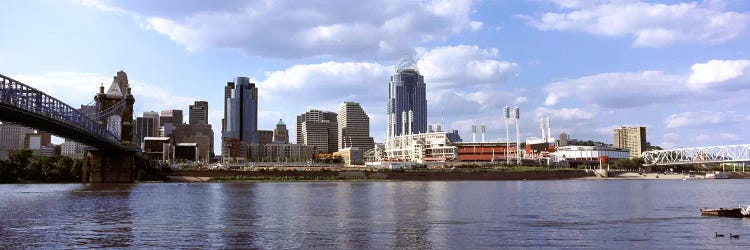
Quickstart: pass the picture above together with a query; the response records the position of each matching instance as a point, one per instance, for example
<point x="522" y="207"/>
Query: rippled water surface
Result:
<point x="357" y="215"/>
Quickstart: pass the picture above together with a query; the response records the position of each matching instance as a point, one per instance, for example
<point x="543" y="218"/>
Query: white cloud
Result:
<point x="651" y="24"/>
<point x="618" y="90"/>
<point x="476" y="25"/>
<point x="354" y="81"/>
<point x="287" y="28"/>
<point x="671" y="136"/>
<point x="702" y="137"/>
<point x="449" y="66"/>
<point x="564" y="113"/>
<point x="721" y="138"/>
<point x="609" y="130"/>
<point x="76" y="88"/>
<point x="718" y="73"/>
<point x="667" y="145"/>
<point x="699" y="119"/>
<point x="635" y="89"/>
<point x="451" y="95"/>
<point x="730" y="136"/>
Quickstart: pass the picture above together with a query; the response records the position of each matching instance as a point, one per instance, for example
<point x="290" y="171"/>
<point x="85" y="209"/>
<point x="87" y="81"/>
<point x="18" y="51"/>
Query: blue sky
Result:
<point x="678" y="67"/>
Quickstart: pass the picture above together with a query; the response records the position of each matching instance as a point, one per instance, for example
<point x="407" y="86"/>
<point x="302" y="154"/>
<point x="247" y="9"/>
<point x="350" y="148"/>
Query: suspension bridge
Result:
<point x="108" y="130"/>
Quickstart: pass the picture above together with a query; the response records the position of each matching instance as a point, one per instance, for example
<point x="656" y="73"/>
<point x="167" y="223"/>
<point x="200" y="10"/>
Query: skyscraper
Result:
<point x="407" y="97"/>
<point x="353" y="127"/>
<point x="199" y="113"/>
<point x="319" y="129"/>
<point x="280" y="133"/>
<point x="631" y="138"/>
<point x="154" y="115"/>
<point x="173" y="116"/>
<point x="241" y="120"/>
<point x="227" y="94"/>
<point x="145" y="127"/>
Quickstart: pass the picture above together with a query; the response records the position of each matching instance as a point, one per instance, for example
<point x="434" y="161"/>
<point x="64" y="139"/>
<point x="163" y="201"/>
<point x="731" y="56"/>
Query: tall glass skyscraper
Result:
<point x="407" y="100"/>
<point x="242" y="112"/>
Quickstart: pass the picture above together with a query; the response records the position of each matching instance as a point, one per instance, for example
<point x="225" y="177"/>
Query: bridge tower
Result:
<point x="116" y="111"/>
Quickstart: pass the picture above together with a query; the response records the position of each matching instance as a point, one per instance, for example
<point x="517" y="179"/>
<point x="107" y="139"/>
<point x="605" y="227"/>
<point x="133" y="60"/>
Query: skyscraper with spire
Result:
<point x="407" y="100"/>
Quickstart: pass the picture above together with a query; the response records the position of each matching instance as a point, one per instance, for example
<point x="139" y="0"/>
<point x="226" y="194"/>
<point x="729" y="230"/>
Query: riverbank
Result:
<point x="360" y="175"/>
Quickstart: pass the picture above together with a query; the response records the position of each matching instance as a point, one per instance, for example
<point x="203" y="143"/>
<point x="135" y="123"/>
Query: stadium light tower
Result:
<point x="506" y="114"/>
<point x="517" y="115"/>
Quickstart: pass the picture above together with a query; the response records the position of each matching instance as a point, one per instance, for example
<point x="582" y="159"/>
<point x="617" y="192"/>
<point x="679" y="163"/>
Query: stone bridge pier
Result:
<point x="109" y="166"/>
<point x="116" y="105"/>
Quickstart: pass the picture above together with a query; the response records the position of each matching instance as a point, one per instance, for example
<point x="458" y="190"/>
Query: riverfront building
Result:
<point x="72" y="149"/>
<point x="631" y="138"/>
<point x="407" y="101"/>
<point x="353" y="127"/>
<point x="318" y="129"/>
<point x="576" y="155"/>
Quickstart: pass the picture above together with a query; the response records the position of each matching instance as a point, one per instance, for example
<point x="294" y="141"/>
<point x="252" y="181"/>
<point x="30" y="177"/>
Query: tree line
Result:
<point x="21" y="165"/>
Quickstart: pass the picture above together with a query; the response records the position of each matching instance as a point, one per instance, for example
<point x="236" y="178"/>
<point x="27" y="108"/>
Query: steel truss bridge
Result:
<point x="698" y="155"/>
<point x="24" y="105"/>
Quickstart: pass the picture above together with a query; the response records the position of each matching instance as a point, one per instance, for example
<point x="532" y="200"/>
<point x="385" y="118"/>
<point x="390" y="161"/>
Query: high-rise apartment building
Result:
<point x="241" y="119"/>
<point x="319" y="129"/>
<point x="631" y="138"/>
<point x="407" y="101"/>
<point x="173" y="116"/>
<point x="198" y="113"/>
<point x="280" y="133"/>
<point x="354" y="127"/>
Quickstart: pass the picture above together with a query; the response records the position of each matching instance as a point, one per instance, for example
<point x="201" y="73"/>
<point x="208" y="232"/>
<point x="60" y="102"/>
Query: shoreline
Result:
<point x="362" y="175"/>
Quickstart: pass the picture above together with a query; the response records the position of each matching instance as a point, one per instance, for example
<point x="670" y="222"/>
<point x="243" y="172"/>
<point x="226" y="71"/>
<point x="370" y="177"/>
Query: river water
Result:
<point x="358" y="215"/>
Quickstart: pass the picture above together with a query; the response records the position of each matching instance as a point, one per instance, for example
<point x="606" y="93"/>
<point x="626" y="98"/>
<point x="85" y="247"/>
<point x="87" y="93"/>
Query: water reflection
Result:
<point x="363" y="215"/>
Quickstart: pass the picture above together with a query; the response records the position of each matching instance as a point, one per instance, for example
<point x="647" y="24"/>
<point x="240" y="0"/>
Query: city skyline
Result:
<point x="682" y="78"/>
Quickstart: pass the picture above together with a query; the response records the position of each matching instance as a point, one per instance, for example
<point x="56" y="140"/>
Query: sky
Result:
<point x="680" y="68"/>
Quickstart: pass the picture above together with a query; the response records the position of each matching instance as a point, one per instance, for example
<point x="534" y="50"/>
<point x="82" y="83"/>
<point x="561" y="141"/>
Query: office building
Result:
<point x="354" y="127"/>
<point x="72" y="149"/>
<point x="173" y="116"/>
<point x="265" y="136"/>
<point x="198" y="113"/>
<point x="157" y="149"/>
<point x="631" y="138"/>
<point x="186" y="152"/>
<point x="227" y="94"/>
<point x="319" y="129"/>
<point x="201" y="134"/>
<point x="12" y="138"/>
<point x="37" y="140"/>
<point x="280" y="133"/>
<point x="320" y="135"/>
<point x="145" y="127"/>
<point x="407" y="101"/>
<point x="242" y="112"/>
<point x="155" y="116"/>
